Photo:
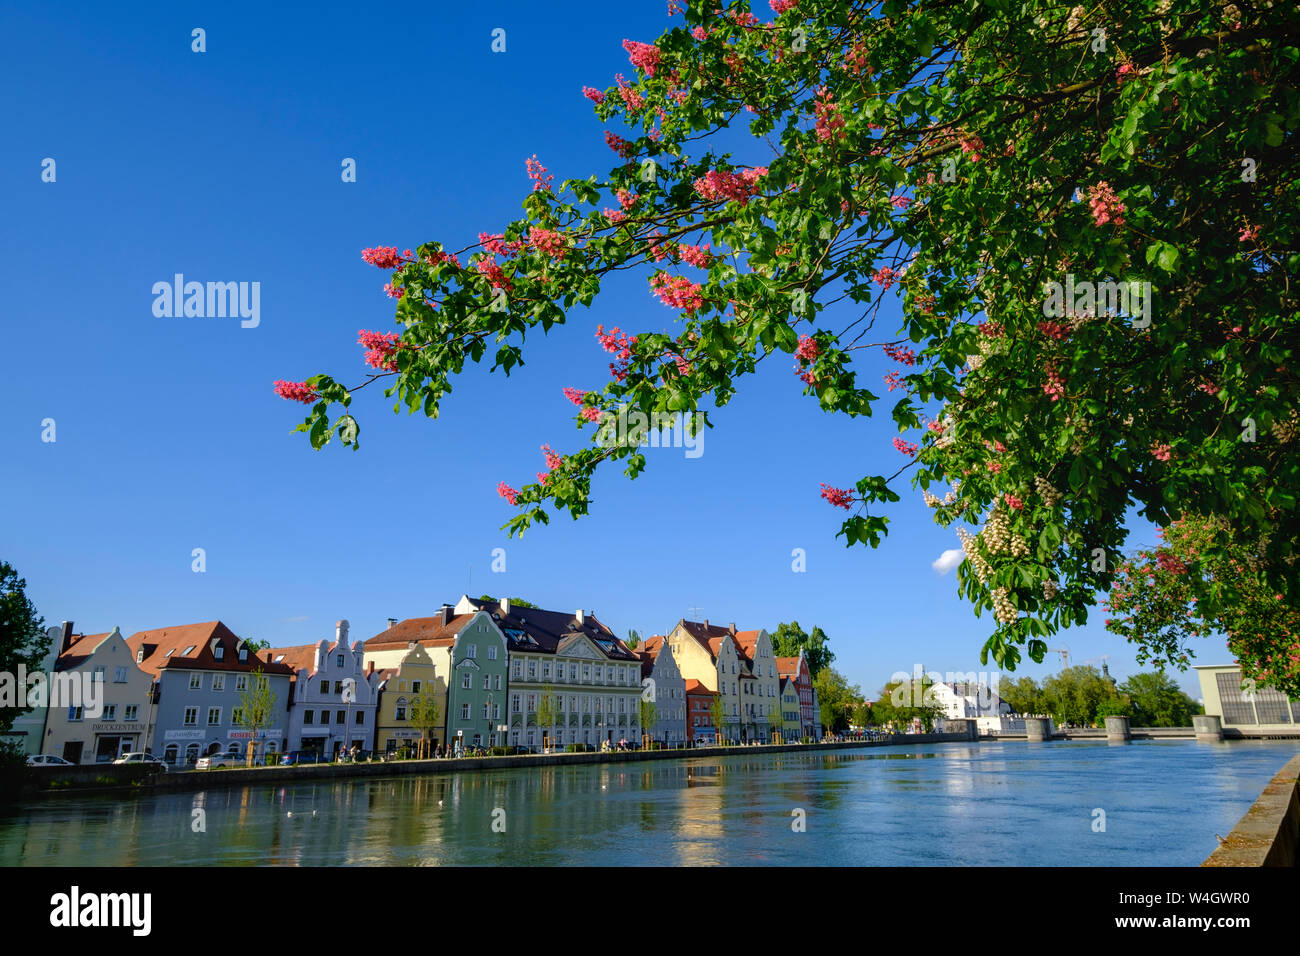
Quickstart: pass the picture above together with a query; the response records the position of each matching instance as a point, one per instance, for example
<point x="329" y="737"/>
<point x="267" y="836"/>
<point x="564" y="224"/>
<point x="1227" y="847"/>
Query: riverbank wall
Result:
<point x="1269" y="832"/>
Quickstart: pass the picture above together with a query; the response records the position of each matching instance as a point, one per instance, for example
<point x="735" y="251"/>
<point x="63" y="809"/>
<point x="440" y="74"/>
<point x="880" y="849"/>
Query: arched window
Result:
<point x="191" y="753"/>
<point x="169" y="755"/>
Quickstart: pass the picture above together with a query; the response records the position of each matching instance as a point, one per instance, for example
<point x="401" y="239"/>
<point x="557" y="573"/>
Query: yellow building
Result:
<point x="402" y="688"/>
<point x="739" y="665"/>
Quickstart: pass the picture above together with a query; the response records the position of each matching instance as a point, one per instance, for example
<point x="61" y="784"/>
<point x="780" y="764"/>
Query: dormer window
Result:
<point x="189" y="650"/>
<point x="139" y="656"/>
<point x="218" y="652"/>
<point x="243" y="653"/>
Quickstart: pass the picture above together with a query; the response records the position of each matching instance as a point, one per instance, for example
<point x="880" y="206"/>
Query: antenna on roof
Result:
<point x="694" y="613"/>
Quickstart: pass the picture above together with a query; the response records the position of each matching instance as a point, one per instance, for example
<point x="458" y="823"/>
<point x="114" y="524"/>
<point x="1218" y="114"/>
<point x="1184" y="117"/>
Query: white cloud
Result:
<point x="948" y="560"/>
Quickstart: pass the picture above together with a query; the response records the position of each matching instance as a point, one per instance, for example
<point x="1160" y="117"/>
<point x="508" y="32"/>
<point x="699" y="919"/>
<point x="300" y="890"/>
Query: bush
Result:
<point x="499" y="751"/>
<point x="577" y="748"/>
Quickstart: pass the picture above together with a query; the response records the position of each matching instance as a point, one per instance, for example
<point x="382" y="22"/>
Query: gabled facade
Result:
<point x="469" y="653"/>
<point x="796" y="668"/>
<point x="591" y="677"/>
<point x="791" y="725"/>
<point x="200" y="672"/>
<point x="760" y="692"/>
<point x="659" y="667"/>
<point x="327" y="714"/>
<point x="403" y="688"/>
<point x="117" y="700"/>
<point x="709" y="654"/>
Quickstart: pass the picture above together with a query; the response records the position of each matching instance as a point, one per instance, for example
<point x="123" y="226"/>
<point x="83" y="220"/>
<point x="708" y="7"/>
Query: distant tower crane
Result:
<point x="1064" y="651"/>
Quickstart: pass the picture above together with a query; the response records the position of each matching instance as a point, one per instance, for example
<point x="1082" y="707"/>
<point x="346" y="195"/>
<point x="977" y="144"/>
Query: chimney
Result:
<point x="732" y="627"/>
<point x="505" y="607"/>
<point x="445" y="614"/>
<point x="392" y="623"/>
<point x="580" y="615"/>
<point x="706" y="623"/>
<point x="341" y="633"/>
<point x="67" y="637"/>
<point x="370" y="667"/>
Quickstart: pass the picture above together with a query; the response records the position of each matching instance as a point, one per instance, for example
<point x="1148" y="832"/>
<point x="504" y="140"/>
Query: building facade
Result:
<point x="402" y="690"/>
<point x="590" y="678"/>
<point x="760" y="704"/>
<point x="1242" y="705"/>
<point x="700" y="730"/>
<point x="117" y="699"/>
<point x="200" y="675"/>
<point x="667" y="689"/>
<point x="28" y="729"/>
<point x="334" y="696"/>
<point x="797" y="670"/>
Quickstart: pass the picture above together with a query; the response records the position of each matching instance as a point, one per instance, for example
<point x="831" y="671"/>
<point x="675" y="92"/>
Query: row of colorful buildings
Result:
<point x="478" y="673"/>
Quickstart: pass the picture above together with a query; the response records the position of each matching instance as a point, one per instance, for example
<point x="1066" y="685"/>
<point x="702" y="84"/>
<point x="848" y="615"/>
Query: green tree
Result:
<point x="648" y="711"/>
<point x="1158" y="701"/>
<point x="1075" y="695"/>
<point x="633" y="640"/>
<point x="256" y="708"/>
<point x="717" y="712"/>
<point x="1023" y="695"/>
<point x="23" y="643"/>
<point x="836" y="698"/>
<point x="548" y="712"/>
<point x="789" y="639"/>
<point x="929" y="180"/>
<point x="425" y="714"/>
<point x="514" y="602"/>
<point x="1204" y="580"/>
<point x="901" y="702"/>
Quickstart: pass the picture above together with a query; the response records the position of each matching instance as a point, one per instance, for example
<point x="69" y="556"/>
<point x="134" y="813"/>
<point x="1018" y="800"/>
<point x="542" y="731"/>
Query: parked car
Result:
<point x="48" y="760"/>
<point x="296" y="758"/>
<point x="142" y="758"/>
<point x="219" y="760"/>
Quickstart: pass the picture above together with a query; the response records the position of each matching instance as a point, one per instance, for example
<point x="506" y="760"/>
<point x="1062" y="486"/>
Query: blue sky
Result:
<point x="225" y="166"/>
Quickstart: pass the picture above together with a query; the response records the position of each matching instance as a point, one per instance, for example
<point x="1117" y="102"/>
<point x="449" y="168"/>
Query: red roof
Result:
<point x="428" y="631"/>
<point x="166" y="647"/>
<point x="695" y="688"/>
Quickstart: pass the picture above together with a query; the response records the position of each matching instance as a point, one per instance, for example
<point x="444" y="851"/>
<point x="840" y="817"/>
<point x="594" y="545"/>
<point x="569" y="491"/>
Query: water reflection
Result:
<point x="953" y="804"/>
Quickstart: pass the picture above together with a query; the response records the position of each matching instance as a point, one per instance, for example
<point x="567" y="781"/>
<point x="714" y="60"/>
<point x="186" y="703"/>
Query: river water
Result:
<point x="1010" y="803"/>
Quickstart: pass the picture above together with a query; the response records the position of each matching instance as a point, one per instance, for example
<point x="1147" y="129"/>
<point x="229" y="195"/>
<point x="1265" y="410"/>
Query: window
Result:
<point x="218" y="681"/>
<point x="573" y="672"/>
<point x="243" y="653"/>
<point x="324" y="687"/>
<point x="546" y="670"/>
<point x="74" y="712"/>
<point x="308" y="716"/>
<point x="169" y="755"/>
<point x="515" y="669"/>
<point x="586" y="673"/>
<point x="191" y="716"/>
<point x="532" y="669"/>
<point x="415" y="687"/>
<point x="237" y="716"/>
<point x="196" y="681"/>
<point x="98" y="676"/>
<point x="338" y="661"/>
<point x="471" y="651"/>
<point x="214" y="716"/>
<point x="139" y="659"/>
<point x="218" y="652"/>
<point x="532" y="703"/>
<point x="241" y="682"/>
<point x="131" y="712"/>
<point x="119" y="675"/>
<point x="492" y="652"/>
<point x="189" y="650"/>
<point x="341" y="717"/>
<point x="464" y="711"/>
<point x="496" y="711"/>
<point x="514" y="703"/>
<point x="361" y="718"/>
<point x="464" y="680"/>
<point x="498" y="682"/>
<point x="487" y="681"/>
<point x="399" y="713"/>
<point x="110" y="712"/>
<point x="485" y="712"/>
